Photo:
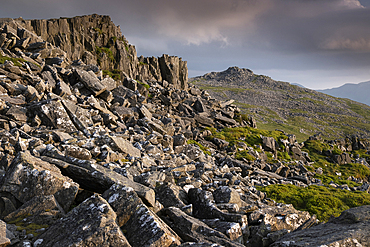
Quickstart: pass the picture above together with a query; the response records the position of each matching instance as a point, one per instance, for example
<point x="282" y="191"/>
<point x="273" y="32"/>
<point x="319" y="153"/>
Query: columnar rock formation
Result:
<point x="95" y="39"/>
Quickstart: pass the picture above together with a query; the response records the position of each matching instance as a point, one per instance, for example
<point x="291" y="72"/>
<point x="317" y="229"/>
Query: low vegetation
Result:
<point x="17" y="61"/>
<point x="320" y="200"/>
<point x="324" y="201"/>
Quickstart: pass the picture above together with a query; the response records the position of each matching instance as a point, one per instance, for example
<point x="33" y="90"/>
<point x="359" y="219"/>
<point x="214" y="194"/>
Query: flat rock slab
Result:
<point x="125" y="146"/>
<point x="92" y="223"/>
<point x="40" y="210"/>
<point x="53" y="113"/>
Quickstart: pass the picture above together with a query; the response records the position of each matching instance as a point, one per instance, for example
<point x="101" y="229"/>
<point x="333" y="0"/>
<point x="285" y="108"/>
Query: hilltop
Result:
<point x="281" y="105"/>
<point x="101" y="148"/>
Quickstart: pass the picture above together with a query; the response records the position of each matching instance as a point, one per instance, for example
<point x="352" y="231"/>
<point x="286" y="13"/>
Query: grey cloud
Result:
<point x="300" y="36"/>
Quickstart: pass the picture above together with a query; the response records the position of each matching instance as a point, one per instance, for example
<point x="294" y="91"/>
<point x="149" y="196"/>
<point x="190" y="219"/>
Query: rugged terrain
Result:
<point x="282" y="105"/>
<point x="93" y="157"/>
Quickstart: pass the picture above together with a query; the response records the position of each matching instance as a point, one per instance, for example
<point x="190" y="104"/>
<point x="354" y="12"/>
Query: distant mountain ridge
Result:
<point x="294" y="109"/>
<point x="358" y="92"/>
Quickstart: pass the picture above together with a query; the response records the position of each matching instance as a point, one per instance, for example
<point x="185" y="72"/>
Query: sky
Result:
<point x="316" y="43"/>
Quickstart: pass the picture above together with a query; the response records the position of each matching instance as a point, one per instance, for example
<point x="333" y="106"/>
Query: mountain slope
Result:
<point x="358" y="92"/>
<point x="276" y="104"/>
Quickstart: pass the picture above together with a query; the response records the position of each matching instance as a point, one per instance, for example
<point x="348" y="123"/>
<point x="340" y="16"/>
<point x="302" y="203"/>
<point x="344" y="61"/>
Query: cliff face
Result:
<point x="95" y="39"/>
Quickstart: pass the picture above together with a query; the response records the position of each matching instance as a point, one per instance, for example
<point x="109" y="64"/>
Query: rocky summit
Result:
<point x="99" y="147"/>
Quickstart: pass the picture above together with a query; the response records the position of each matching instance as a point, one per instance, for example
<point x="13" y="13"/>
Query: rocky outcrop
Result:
<point x="94" y="39"/>
<point x="351" y="228"/>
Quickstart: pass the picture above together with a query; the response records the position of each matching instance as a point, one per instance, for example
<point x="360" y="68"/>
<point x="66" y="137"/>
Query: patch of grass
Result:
<point x="244" y="154"/>
<point x="98" y="30"/>
<point x="115" y="74"/>
<point x="318" y="200"/>
<point x="17" y="61"/>
<point x="106" y="50"/>
<point x="331" y="170"/>
<point x="144" y="84"/>
<point x="203" y="148"/>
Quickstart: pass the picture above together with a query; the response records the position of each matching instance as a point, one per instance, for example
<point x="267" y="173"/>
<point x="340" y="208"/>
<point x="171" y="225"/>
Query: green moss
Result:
<point x="284" y="156"/>
<point x="203" y="148"/>
<point x="144" y="84"/>
<point x="115" y="74"/>
<point x="30" y="228"/>
<point x="244" y="154"/>
<point x="98" y="30"/>
<point x="318" y="200"/>
<point x="106" y="50"/>
<point x="17" y="61"/>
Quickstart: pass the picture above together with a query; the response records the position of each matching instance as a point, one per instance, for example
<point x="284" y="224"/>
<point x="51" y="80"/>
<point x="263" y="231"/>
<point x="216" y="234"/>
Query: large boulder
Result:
<point x="29" y="176"/>
<point x="141" y="226"/>
<point x="92" y="223"/>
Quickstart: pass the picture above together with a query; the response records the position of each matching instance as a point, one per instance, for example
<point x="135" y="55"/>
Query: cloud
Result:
<point x="301" y="36"/>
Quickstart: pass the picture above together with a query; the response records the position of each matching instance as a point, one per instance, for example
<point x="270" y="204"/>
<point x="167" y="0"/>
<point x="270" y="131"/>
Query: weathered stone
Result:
<point x="151" y="179"/>
<point x="179" y="140"/>
<point x="92" y="223"/>
<point x="52" y="113"/>
<point x="18" y="113"/>
<point x="125" y="146"/>
<point x="231" y="229"/>
<point x="144" y="228"/>
<point x="123" y="200"/>
<point x="272" y="219"/>
<point x="204" y="208"/>
<point x="29" y="176"/>
<point x="80" y="117"/>
<point x="225" y="120"/>
<point x="4" y="240"/>
<point x="225" y="194"/>
<point x="90" y="81"/>
<point x="199" y="106"/>
<point x="174" y="70"/>
<point x="144" y="112"/>
<point x="40" y="210"/>
<point x="77" y="152"/>
<point x="203" y="120"/>
<point x="268" y="144"/>
<point x="97" y="178"/>
<point x="221" y="144"/>
<point x="342" y="159"/>
<point x="170" y="195"/>
<point x="62" y="89"/>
